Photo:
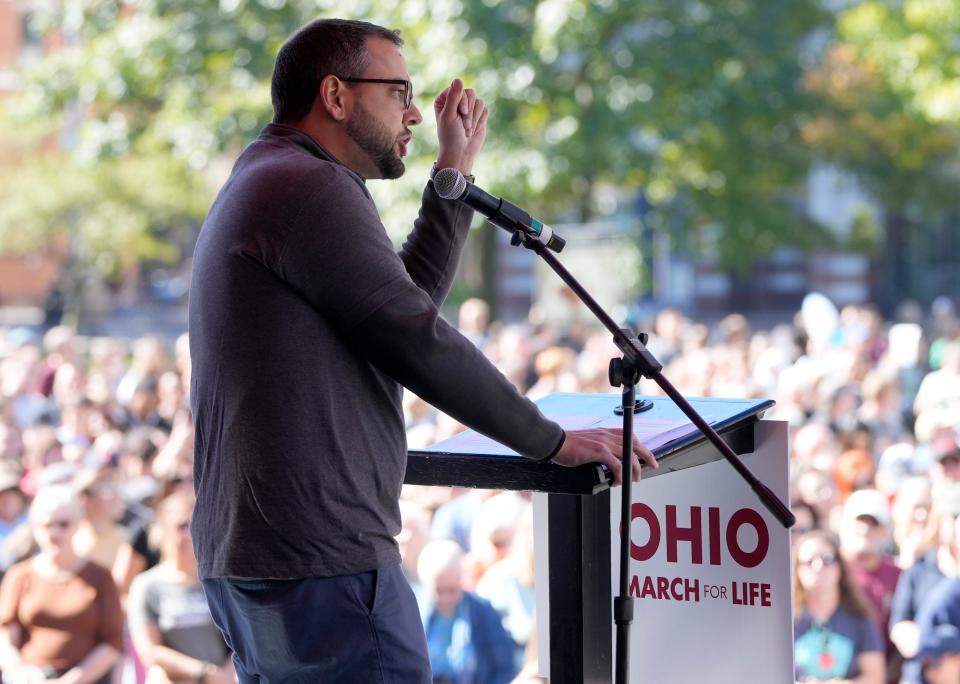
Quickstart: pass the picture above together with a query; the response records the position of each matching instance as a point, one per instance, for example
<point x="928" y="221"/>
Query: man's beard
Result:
<point x="372" y="138"/>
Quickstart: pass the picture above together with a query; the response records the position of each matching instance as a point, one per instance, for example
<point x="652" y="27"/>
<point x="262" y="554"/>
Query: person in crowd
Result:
<point x="897" y="463"/>
<point x="853" y="470"/>
<point x="940" y="609"/>
<point x="149" y="360"/>
<point x="944" y="325"/>
<point x="60" y="615"/>
<point x="939" y="655"/>
<point x="911" y="520"/>
<point x="473" y="319"/>
<point x="940" y="389"/>
<point x="143" y="408"/>
<point x="139" y="447"/>
<point x="882" y="407"/>
<point x="139" y="551"/>
<point x="13" y="503"/>
<point x="511" y="350"/>
<point x="836" y="638"/>
<point x="60" y="358"/>
<point x="491" y="535"/>
<point x="466" y="640"/>
<point x="170" y="400"/>
<point x="807" y="519"/>
<point x="815" y="446"/>
<point x="100" y="534"/>
<point x="865" y="541"/>
<point x="508" y="585"/>
<point x="818" y="489"/>
<point x="167" y="613"/>
<point x="414" y="534"/>
<point x="667" y="335"/>
<point x="918" y="581"/>
<point x="554" y="367"/>
<point x="420" y="419"/>
<point x="46" y="387"/>
<point x="454" y="518"/>
<point x="946" y="459"/>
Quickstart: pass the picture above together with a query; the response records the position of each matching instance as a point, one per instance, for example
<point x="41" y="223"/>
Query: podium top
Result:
<point x="472" y="460"/>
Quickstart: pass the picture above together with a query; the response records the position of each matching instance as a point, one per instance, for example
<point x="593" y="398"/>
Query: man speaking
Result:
<point x="304" y="324"/>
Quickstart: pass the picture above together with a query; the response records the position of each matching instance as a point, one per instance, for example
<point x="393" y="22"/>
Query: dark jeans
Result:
<point x="362" y="628"/>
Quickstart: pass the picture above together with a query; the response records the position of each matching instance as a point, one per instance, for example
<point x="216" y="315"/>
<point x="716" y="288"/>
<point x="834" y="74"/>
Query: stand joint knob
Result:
<point x="615" y="372"/>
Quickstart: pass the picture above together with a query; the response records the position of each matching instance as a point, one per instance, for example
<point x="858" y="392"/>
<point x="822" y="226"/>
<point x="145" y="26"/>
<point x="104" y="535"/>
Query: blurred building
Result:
<point x="905" y="264"/>
<point x="22" y="281"/>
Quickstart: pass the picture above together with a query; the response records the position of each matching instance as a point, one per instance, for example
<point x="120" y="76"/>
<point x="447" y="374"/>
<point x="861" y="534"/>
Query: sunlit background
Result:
<point x="712" y="156"/>
<point x="768" y="187"/>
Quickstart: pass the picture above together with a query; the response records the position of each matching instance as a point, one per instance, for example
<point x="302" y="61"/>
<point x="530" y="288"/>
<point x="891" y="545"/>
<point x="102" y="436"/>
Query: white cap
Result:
<point x="867" y="502"/>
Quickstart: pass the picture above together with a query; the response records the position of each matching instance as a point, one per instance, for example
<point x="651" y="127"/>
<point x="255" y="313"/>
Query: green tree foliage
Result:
<point x="891" y="90"/>
<point x="698" y="103"/>
<point x="891" y="84"/>
<point x="124" y="134"/>
<point x="119" y="130"/>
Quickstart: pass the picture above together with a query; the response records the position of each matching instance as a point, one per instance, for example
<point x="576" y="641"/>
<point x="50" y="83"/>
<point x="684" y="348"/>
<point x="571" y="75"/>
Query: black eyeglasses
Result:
<point x="407" y="86"/>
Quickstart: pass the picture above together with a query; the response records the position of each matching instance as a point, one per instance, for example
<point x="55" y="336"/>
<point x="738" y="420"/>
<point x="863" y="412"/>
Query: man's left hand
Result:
<point x="461" y="126"/>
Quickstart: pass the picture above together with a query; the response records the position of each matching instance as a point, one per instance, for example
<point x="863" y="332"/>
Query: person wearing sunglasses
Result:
<point x="835" y="636"/>
<point x="920" y="581"/>
<point x="60" y="615"/>
<point x="305" y="323"/>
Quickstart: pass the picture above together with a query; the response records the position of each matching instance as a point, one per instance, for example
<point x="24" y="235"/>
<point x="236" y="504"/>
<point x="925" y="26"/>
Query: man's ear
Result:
<point x="331" y="97"/>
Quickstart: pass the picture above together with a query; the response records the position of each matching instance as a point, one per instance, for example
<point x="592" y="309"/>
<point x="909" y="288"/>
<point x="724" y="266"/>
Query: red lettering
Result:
<point x="645" y="552"/>
<point x="666" y="588"/>
<point x="663" y="584"/>
<point x="648" y="591"/>
<point x="751" y="594"/>
<point x="748" y="559"/>
<point x="714" y="527"/>
<point x="677" y="596"/>
<point x="677" y="534"/>
<point x="765" y="595"/>
<point x="693" y="534"/>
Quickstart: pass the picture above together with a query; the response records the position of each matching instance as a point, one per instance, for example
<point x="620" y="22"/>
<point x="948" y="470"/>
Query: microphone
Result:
<point x="450" y="184"/>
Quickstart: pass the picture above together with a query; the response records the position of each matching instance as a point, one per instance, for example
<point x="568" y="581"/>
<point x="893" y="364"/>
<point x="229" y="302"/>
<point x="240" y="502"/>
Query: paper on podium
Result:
<point x="652" y="432"/>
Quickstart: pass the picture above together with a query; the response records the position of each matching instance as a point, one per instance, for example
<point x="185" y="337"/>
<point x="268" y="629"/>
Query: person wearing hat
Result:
<point x="940" y="655"/>
<point x="916" y="584"/>
<point x="865" y="540"/>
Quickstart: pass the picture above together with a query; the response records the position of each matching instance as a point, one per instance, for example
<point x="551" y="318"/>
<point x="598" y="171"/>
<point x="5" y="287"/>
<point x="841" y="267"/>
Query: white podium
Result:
<point x="710" y="566"/>
<point x="710" y="572"/>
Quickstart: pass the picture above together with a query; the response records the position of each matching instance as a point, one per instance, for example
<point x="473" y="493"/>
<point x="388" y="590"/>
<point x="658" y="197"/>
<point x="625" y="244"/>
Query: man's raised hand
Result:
<point x="461" y="126"/>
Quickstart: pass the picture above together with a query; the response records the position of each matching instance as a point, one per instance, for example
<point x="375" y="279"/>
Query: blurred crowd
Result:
<point x="96" y="438"/>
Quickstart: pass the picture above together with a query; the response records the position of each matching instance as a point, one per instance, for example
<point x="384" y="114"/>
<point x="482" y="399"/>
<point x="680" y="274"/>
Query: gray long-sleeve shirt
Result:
<point x="304" y="322"/>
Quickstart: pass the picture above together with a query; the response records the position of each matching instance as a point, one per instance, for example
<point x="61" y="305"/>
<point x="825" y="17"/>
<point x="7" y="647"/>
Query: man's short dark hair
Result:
<point x="321" y="48"/>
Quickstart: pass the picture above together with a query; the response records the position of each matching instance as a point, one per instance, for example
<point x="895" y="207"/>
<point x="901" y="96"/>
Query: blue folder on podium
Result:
<point x="581" y="625"/>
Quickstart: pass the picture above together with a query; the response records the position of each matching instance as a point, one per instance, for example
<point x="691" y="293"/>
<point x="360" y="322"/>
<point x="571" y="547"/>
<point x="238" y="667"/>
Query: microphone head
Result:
<point x="450" y="183"/>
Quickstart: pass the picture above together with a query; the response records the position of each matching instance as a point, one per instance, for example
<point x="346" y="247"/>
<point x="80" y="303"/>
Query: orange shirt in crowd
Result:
<point x="62" y="621"/>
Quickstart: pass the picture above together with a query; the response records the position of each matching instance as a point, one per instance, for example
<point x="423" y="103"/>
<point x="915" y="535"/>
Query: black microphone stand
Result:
<point x="637" y="362"/>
